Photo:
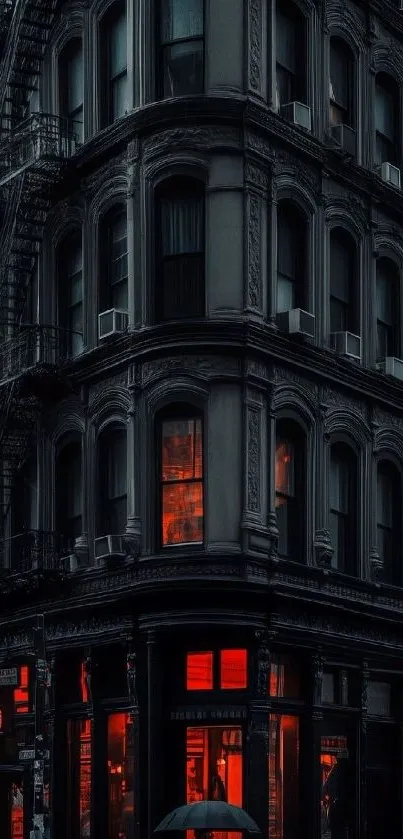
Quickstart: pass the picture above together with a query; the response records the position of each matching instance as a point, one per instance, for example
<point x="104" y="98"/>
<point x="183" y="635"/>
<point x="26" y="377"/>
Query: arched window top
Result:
<point x="291" y="212"/>
<point x="344" y="238"/>
<point x="387" y="81"/>
<point x="388" y="265"/>
<point x="180" y="185"/>
<point x="114" y="10"/>
<point x="339" y="43"/>
<point x="177" y="409"/>
<point x="290" y="427"/>
<point x="342" y="450"/>
<point x="72" y="238"/>
<point x="115" y="211"/>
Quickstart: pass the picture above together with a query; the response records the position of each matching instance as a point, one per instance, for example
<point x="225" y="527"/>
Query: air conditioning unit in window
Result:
<point x="347" y="344"/>
<point x="69" y="563"/>
<point x="111" y="546"/>
<point x="298" y="113"/>
<point x="297" y="322"/>
<point x="345" y="137"/>
<point x="392" y="367"/>
<point x="112" y="322"/>
<point x="390" y="174"/>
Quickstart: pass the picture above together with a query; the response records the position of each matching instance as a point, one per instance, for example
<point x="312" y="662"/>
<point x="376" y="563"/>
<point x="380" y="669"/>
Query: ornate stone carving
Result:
<point x="364" y="687"/>
<point x="256" y="176"/>
<point x="331" y="628"/>
<point x="92" y="627"/>
<point x="301" y="174"/>
<point x="254" y="244"/>
<point x="202" y="137"/>
<point x="317" y="674"/>
<point x="254" y="434"/>
<point x="120" y="380"/>
<point x="203" y="366"/>
<point x="263" y="664"/>
<point x="323" y="549"/>
<point x="375" y="565"/>
<point x="255" y="44"/>
<point x="131" y="674"/>
<point x="88" y="675"/>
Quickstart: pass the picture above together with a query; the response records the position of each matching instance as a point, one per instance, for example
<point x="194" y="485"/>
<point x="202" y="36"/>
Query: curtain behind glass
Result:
<point x="181" y="19"/>
<point x="182" y="225"/>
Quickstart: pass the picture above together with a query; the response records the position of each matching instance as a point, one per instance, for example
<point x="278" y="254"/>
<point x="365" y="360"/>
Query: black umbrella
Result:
<point x="208" y="815"/>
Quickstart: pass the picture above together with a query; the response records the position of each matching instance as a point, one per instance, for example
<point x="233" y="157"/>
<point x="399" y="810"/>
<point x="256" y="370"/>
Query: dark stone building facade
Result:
<point x="201" y="415"/>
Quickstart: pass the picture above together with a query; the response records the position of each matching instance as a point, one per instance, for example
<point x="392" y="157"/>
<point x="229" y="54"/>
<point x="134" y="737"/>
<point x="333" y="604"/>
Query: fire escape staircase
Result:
<point x="33" y="151"/>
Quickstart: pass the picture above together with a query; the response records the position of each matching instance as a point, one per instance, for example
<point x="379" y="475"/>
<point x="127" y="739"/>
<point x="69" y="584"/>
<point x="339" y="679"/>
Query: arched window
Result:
<point x="113" y="290"/>
<point x="69" y="492"/>
<point x="70" y="292"/>
<point x="71" y="85"/>
<point x="113" y="55"/>
<point x="387" y="309"/>
<point x="343" y="507"/>
<point x="291" y="257"/>
<point x="180" y="249"/>
<point x="112" y="465"/>
<point x="388" y="518"/>
<point x="291" y="54"/>
<point x="181" y="473"/>
<point x="343" y="282"/>
<point x="386" y="119"/>
<point x="181" y="47"/>
<point x="341" y="84"/>
<point x="290" y="489"/>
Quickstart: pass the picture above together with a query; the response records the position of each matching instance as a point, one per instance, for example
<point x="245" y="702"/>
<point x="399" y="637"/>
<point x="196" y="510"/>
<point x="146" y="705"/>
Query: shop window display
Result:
<point x="231" y="666"/>
<point x="120" y="775"/>
<point x="337" y="783"/>
<point x="214" y="769"/>
<point x="17" y="810"/>
<point x="283" y="776"/>
<point x="79" y="776"/>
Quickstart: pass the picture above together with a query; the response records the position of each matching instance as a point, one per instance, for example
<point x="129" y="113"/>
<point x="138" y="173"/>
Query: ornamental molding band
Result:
<point x="204" y="367"/>
<point x="116" y="627"/>
<point x="255" y="45"/>
<point x="254" y="245"/>
<point x="340" y="591"/>
<point x="335" y="629"/>
<point x="260" y="145"/>
<point x="256" y="176"/>
<point x="201" y="137"/>
<point x="254" y="458"/>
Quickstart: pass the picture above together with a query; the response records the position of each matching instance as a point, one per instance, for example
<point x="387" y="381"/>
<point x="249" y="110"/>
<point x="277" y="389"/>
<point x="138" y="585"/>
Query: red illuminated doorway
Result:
<point x="11" y="804"/>
<point x="214" y="769"/>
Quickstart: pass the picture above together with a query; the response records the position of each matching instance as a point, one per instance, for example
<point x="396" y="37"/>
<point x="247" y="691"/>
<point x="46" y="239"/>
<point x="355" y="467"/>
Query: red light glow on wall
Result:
<point x="233" y="669"/>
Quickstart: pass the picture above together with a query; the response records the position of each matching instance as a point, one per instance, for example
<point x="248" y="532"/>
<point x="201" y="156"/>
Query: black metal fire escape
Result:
<point x="33" y="149"/>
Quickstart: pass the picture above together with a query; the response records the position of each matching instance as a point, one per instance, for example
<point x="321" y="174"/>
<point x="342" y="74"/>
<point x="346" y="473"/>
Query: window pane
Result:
<point x="285" y="294"/>
<point x="287" y="251"/>
<point x="286" y="47"/>
<point x="379" y="698"/>
<point x="386" y="292"/>
<point x="339" y="75"/>
<point x="120" y="93"/>
<point x="183" y="69"/>
<point x="341" y="269"/>
<point x="214" y="769"/>
<point x="182" y="225"/>
<point x="182" y="513"/>
<point x="283" y="776"/>
<point x="337" y="798"/>
<point x="181" y="450"/>
<point x="328" y="688"/>
<point x="118" y="46"/>
<point x="285" y="677"/>
<point x="181" y="19"/>
<point x="79" y="777"/>
<point x="339" y="475"/>
<point x="285" y="472"/>
<point x="385" y="499"/>
<point x="116" y="464"/>
<point x="120" y="776"/>
<point x="199" y="671"/>
<point x="233" y="669"/>
<point x="75" y="80"/>
<point x="385" y="112"/>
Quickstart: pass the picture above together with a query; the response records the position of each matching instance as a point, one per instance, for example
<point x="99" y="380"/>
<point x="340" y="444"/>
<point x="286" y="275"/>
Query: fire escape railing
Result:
<point x="40" y="140"/>
<point x="35" y="550"/>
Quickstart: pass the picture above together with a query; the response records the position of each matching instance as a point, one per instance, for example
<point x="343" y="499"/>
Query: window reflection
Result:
<point x="17" y="810"/>
<point x="214" y="769"/>
<point x="283" y="776"/>
<point x="120" y="775"/>
<point x="79" y="776"/>
<point x="182" y="482"/>
<point x="336" y="788"/>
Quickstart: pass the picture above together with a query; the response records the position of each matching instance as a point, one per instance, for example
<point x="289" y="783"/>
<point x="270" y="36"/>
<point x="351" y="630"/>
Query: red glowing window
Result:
<point x="233" y="669"/>
<point x="120" y="775"/>
<point x="83" y="683"/>
<point x="283" y="776"/>
<point x="79" y="778"/>
<point x="21" y="693"/>
<point x="199" y="671"/>
<point x="17" y="810"/>
<point x="182" y="481"/>
<point x="214" y="769"/>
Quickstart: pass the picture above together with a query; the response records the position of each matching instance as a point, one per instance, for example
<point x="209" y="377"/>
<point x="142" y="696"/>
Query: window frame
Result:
<point x="391" y="572"/>
<point x="181" y="411"/>
<point x="291" y="216"/>
<point x="116" y="11"/>
<point x="62" y="522"/>
<point x="349" y="107"/>
<point x="70" y="49"/>
<point x="342" y="238"/>
<point x="389" y="85"/>
<point x="171" y="189"/>
<point x="71" y="240"/>
<point x="348" y="457"/>
<point x="288" y="430"/>
<point x="106" y="504"/>
<point x="392" y="330"/>
<point x="298" y="80"/>
<point x="114" y="214"/>
<point x="162" y="46"/>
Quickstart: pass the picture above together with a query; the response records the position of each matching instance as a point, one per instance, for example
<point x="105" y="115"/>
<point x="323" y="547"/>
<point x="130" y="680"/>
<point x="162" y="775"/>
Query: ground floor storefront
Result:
<point x="307" y="738"/>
